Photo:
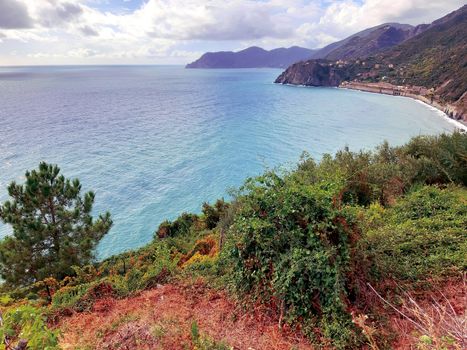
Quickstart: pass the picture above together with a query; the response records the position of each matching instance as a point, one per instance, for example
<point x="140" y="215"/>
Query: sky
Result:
<point x="53" y="32"/>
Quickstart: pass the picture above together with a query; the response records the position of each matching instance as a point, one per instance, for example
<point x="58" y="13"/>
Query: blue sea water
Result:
<point x="155" y="141"/>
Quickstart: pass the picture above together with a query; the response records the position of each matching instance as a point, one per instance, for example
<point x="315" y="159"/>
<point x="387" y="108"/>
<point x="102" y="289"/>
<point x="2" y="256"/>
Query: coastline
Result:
<point x="388" y="89"/>
<point x="459" y="124"/>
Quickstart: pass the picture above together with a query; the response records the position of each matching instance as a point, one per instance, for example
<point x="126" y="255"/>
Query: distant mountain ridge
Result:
<point x="365" y="43"/>
<point x="252" y="57"/>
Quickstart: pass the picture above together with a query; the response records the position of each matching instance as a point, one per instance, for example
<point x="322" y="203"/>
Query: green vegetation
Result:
<point x="303" y="243"/>
<point x="24" y="326"/>
<point x="292" y="250"/>
<point x="436" y="57"/>
<point x="422" y="236"/>
<point x="53" y="229"/>
<point x="202" y="342"/>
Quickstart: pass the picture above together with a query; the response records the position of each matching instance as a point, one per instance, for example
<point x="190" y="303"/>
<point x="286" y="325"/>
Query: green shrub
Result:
<point x="69" y="296"/>
<point x="203" y="342"/>
<point x="422" y="236"/>
<point x="82" y="297"/>
<point x="292" y="251"/>
<point x="181" y="226"/>
<point x="6" y="299"/>
<point x="387" y="173"/>
<point x="151" y="273"/>
<point x="27" y="323"/>
<point x="442" y="158"/>
<point x="213" y="213"/>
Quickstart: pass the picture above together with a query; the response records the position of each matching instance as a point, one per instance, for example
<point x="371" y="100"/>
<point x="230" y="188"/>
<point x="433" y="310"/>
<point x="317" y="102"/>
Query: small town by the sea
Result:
<point x="233" y="175"/>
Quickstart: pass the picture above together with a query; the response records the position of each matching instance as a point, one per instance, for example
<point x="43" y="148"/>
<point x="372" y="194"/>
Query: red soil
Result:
<point x="161" y="318"/>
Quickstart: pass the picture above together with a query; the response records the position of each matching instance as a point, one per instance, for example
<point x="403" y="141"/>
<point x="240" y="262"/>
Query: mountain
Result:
<point x="435" y="58"/>
<point x="432" y="62"/>
<point x="368" y="42"/>
<point x="252" y="57"/>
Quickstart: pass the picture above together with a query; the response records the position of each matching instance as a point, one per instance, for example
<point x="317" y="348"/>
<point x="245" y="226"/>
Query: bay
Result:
<point x="154" y="141"/>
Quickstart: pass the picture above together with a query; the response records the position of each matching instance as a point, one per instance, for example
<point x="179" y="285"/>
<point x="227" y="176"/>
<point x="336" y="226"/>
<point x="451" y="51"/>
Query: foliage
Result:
<point x="422" y="236"/>
<point x="387" y="173"/>
<point x="69" y="296"/>
<point x="6" y="299"/>
<point x="205" y="247"/>
<point x="143" y="276"/>
<point x="143" y="272"/>
<point x="441" y="159"/>
<point x="27" y="323"/>
<point x="52" y="227"/>
<point x="212" y="214"/>
<point x="181" y="226"/>
<point x="202" y="342"/>
<point x="47" y="287"/>
<point x="293" y="251"/>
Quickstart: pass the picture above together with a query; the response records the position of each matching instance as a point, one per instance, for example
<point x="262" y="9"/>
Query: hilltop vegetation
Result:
<point x="367" y="42"/>
<point x="435" y="58"/>
<point x="314" y="250"/>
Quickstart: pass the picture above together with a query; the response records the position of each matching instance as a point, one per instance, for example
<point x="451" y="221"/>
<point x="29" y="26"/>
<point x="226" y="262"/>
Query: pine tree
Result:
<point x="53" y="229"/>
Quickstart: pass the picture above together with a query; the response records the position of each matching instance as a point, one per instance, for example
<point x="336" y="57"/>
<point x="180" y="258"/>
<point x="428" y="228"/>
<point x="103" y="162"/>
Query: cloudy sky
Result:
<point x="178" y="31"/>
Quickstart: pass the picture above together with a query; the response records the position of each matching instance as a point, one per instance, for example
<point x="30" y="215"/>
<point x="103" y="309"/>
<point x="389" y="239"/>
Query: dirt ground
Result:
<point x="161" y="318"/>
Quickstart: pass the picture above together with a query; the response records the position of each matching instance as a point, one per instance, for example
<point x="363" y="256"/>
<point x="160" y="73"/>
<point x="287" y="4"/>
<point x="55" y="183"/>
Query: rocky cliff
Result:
<point x="313" y="73"/>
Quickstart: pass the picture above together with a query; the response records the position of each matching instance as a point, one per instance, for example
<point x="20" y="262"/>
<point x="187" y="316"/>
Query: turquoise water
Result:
<point x="155" y="141"/>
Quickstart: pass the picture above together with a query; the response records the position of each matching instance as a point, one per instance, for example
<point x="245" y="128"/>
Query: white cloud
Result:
<point x="353" y="16"/>
<point x="77" y="31"/>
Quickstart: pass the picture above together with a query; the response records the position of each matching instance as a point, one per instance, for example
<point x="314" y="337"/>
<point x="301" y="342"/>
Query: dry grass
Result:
<point x="436" y="321"/>
<point x="161" y="318"/>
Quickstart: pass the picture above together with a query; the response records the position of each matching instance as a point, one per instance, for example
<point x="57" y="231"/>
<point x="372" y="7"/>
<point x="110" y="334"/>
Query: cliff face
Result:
<point x="252" y="57"/>
<point x="312" y="73"/>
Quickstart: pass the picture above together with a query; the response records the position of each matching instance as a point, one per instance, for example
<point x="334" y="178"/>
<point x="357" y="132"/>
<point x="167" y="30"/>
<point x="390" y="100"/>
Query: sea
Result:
<point x="155" y="141"/>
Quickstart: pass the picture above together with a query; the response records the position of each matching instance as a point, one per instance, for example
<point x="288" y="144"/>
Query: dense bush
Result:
<point x="441" y="159"/>
<point x="180" y="226"/>
<point x="292" y="251"/>
<point x="423" y="236"/>
<point x="293" y="240"/>
<point x="26" y="323"/>
<point x="149" y="266"/>
<point x="388" y="172"/>
<point x="213" y="213"/>
<point x="69" y="296"/>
